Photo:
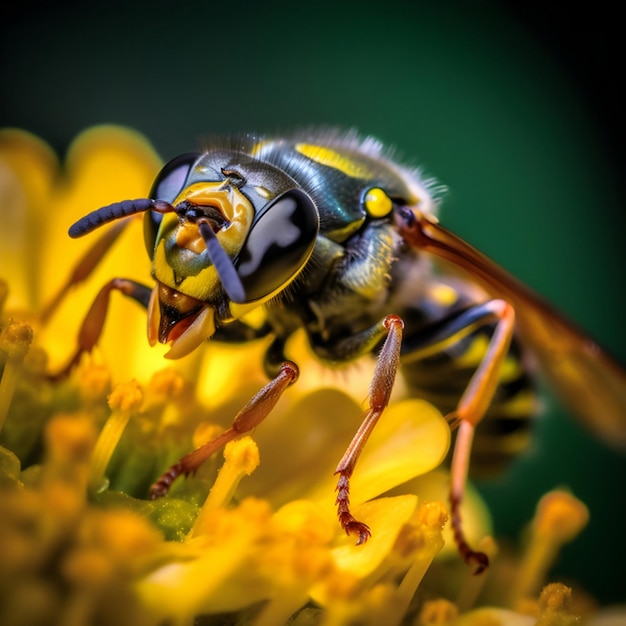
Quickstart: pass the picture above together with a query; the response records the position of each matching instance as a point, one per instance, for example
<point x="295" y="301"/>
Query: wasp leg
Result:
<point x="93" y="323"/>
<point x="476" y="396"/>
<point x="380" y="391"/>
<point x="250" y="416"/>
<point x="469" y="412"/>
<point x="85" y="267"/>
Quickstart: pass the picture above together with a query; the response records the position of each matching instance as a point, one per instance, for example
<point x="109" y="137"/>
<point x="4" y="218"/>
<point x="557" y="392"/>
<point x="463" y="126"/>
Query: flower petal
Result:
<point x="411" y="439"/>
<point x="28" y="169"/>
<point x="385" y="517"/>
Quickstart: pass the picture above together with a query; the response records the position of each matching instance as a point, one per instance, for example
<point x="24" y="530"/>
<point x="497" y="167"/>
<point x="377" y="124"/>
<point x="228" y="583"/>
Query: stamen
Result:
<point x="167" y="383"/>
<point x="559" y="518"/>
<point x="554" y="604"/>
<point x="69" y="442"/>
<point x="241" y="458"/>
<point x="125" y="400"/>
<point x="431" y="518"/>
<point x="15" y="340"/>
<point x="36" y="362"/>
<point x="296" y="558"/>
<point x="94" y="380"/>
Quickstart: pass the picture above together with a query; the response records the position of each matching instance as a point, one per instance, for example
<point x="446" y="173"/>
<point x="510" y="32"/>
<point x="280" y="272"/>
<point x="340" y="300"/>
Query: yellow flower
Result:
<point x="252" y="538"/>
<point x="40" y="199"/>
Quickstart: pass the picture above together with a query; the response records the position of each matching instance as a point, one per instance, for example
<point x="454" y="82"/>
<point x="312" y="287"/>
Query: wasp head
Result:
<point x="223" y="247"/>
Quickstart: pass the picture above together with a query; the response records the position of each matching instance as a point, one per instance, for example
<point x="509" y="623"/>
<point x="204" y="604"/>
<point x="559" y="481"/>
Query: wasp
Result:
<point x="326" y="232"/>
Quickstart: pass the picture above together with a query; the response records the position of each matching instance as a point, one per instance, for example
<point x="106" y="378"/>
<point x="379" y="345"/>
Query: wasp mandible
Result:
<point x="326" y="232"/>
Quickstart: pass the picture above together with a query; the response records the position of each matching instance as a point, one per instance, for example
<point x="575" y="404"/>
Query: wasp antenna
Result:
<point x="116" y="211"/>
<point x="223" y="265"/>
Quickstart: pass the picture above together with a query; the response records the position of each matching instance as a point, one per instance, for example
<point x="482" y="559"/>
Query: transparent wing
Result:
<point x="584" y="376"/>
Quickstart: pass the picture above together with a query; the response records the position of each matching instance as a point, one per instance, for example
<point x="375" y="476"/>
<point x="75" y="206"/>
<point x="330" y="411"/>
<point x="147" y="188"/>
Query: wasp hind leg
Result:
<point x="475" y="399"/>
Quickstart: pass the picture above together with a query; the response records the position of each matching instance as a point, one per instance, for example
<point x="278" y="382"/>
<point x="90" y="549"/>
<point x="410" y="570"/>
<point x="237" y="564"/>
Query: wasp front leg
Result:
<point x="93" y="322"/>
<point x="250" y="416"/>
<point x="85" y="266"/>
<point x="364" y="270"/>
<point x="92" y="325"/>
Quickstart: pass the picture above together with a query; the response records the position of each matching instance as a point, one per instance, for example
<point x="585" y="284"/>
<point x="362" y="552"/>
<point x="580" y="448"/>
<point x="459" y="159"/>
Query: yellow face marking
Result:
<point x="200" y="286"/>
<point x="235" y="207"/>
<point x="330" y="158"/>
<point x="187" y="236"/>
<point x="377" y="202"/>
<point x="153" y="317"/>
<point x="163" y="272"/>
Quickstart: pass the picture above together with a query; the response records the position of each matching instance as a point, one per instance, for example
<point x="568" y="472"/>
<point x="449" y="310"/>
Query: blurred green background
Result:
<point x="514" y="108"/>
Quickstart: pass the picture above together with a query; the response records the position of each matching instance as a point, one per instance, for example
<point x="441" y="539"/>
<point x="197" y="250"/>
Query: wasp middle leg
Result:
<point x="380" y="391"/>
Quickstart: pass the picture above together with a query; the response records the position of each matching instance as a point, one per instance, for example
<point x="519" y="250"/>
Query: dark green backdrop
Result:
<point x="512" y="108"/>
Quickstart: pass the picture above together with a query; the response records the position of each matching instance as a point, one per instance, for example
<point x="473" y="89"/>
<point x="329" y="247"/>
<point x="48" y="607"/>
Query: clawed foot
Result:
<point x="480" y="559"/>
<point x="354" y="527"/>
<point x="348" y="522"/>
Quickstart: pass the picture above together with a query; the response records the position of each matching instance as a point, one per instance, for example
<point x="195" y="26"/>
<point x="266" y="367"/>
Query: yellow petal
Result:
<point x="28" y="169"/>
<point x="104" y="165"/>
<point x="385" y="517"/>
<point x="215" y="572"/>
<point x="411" y="439"/>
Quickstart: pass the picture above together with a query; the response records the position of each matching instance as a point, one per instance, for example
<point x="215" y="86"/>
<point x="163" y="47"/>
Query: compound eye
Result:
<point x="167" y="185"/>
<point x="377" y="203"/>
<point x="171" y="179"/>
<point x="278" y="245"/>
